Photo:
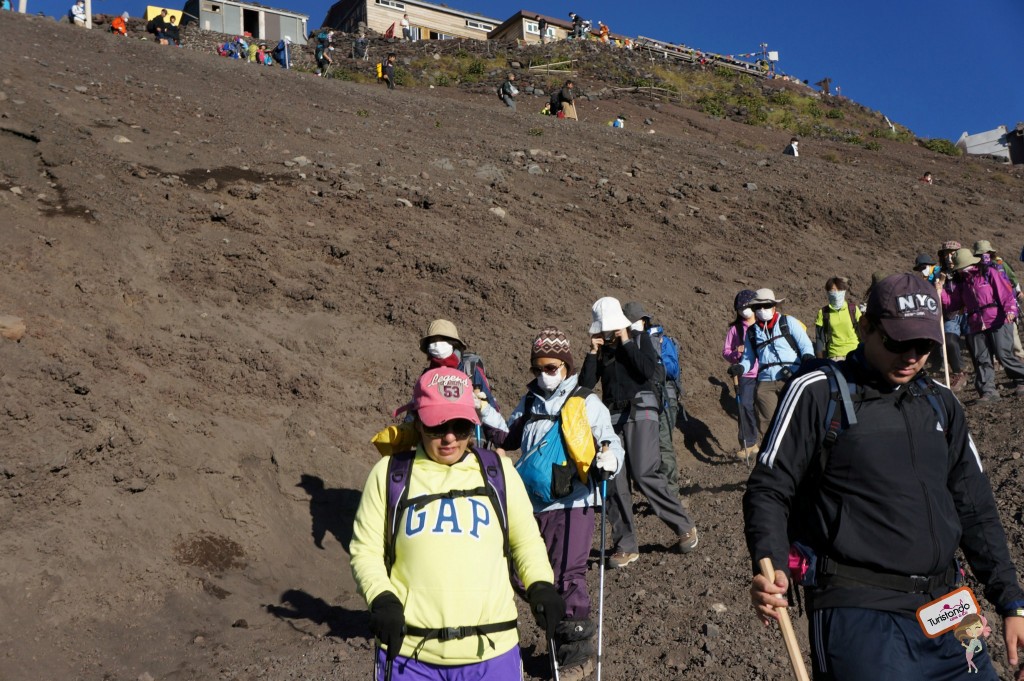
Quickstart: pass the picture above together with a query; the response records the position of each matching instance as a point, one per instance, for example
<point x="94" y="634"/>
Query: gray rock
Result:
<point x="535" y="169"/>
<point x="620" y="195"/>
<point x="301" y="161"/>
<point x="750" y="186"/>
<point x="81" y="88"/>
<point x="121" y="139"/>
<point x="499" y="212"/>
<point x="17" y="191"/>
<point x="443" y="164"/>
<point x="404" y="203"/>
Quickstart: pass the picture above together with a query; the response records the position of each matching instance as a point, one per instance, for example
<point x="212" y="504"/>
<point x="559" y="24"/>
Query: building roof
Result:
<point x="446" y="9"/>
<point x="278" y="10"/>
<point x="561" y="23"/>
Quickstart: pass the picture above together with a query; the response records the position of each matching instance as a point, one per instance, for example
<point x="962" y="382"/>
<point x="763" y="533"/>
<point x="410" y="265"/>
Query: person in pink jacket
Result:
<point x="986" y="298"/>
<point x="732" y="351"/>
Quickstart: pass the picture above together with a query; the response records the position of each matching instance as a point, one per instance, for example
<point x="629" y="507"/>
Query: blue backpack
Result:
<point x="397" y="495"/>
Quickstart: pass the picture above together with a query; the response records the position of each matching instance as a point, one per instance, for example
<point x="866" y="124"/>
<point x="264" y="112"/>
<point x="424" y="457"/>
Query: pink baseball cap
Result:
<point x="442" y="395"/>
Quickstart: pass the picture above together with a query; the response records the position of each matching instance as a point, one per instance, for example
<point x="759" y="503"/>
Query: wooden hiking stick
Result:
<point x="942" y="332"/>
<point x="796" y="658"/>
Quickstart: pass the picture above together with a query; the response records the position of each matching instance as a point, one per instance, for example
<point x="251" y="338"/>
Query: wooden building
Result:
<point x="233" y="17"/>
<point x="427" y="20"/>
<point x="523" y="26"/>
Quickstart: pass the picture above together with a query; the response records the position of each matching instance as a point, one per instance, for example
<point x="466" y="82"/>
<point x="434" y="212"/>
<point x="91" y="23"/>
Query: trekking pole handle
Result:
<point x="796" y="658"/>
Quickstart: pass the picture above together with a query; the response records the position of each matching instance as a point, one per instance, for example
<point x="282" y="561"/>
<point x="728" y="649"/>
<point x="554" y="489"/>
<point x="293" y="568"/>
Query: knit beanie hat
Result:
<point x="554" y="344"/>
<point x="743" y="299"/>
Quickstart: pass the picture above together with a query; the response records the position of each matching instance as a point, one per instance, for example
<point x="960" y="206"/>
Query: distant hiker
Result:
<point x="263" y="55"/>
<point x="867" y="509"/>
<point x="158" y="27"/>
<point x="987" y="299"/>
<point x="927" y="267"/>
<point x="77" y="13"/>
<point x="667" y="387"/>
<point x="406" y="28"/>
<point x="732" y="352"/>
<point x="322" y="54"/>
<point x="926" y="178"/>
<point x="983" y="249"/>
<point x="778" y="343"/>
<point x="619" y="122"/>
<point x="253" y="53"/>
<point x="554" y="404"/>
<point x="563" y="96"/>
<point x="509" y="91"/>
<point x="359" y="48"/>
<point x="602" y="32"/>
<point x="955" y="324"/>
<point x="542" y="28"/>
<point x="836" y="331"/>
<point x="119" y="25"/>
<point x="793" y="148"/>
<point x="5" y="5"/>
<point x="436" y="534"/>
<point x="625" y="362"/>
<point x="443" y="348"/>
<point x="577" y="25"/>
<point x="172" y="34"/>
<point x="388" y="71"/>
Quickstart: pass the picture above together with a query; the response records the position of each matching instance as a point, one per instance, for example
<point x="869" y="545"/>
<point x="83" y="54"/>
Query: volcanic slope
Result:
<point x="224" y="271"/>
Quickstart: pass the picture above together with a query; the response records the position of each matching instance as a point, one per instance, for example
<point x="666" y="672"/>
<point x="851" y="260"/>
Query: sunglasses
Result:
<point x="460" y="428"/>
<point x="549" y="369"/>
<point x="762" y="306"/>
<point x="919" y="346"/>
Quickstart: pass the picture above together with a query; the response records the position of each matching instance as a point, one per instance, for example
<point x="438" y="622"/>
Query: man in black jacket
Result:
<point x="881" y="504"/>
<point x="625" y="361"/>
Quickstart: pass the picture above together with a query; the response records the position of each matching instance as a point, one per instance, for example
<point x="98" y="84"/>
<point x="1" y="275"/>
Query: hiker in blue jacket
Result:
<point x="779" y="343"/>
<point x="567" y="522"/>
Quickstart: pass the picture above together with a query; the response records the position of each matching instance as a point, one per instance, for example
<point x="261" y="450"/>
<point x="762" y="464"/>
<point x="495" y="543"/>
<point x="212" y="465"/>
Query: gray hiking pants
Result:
<point x="669" y="468"/>
<point x="639" y="433"/>
<point x="984" y="345"/>
<point x="766" y="399"/>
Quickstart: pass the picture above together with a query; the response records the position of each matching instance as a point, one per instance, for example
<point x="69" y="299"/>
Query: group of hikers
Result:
<point x="256" y="52"/>
<point x="866" y="482"/>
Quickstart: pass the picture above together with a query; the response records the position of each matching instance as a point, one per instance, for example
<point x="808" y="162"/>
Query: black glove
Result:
<point x="735" y="370"/>
<point x="807" y="358"/>
<point x="547" y="606"/>
<point x="387" y="622"/>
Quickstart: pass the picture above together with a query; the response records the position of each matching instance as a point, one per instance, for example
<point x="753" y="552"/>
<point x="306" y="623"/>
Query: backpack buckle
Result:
<point x="451" y="633"/>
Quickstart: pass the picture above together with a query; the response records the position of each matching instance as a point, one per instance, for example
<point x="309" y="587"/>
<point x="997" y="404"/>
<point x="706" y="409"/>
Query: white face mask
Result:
<point x="836" y="298"/>
<point x="440" y="349"/>
<point x="637" y="325"/>
<point x="765" y="315"/>
<point x="746" y="313"/>
<point x="549" y="382"/>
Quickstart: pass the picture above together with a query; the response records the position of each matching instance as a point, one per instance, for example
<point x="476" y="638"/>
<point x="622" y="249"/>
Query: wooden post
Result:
<point x="796" y="658"/>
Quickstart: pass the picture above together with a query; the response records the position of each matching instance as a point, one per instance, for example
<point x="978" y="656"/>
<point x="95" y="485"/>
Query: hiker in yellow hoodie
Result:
<point x="836" y="330"/>
<point x="438" y="584"/>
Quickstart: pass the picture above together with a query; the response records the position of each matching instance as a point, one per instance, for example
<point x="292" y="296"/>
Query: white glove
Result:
<point x="605" y="460"/>
<point x="483" y="407"/>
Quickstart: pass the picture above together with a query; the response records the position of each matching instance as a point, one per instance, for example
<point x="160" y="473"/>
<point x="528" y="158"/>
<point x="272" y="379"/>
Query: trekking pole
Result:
<point x="796" y="658"/>
<point x="942" y="333"/>
<point x="600" y="592"/>
<point x="554" y="659"/>
<point x="739" y="420"/>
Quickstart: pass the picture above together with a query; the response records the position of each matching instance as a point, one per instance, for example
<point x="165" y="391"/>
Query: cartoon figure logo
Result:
<point x="969" y="632"/>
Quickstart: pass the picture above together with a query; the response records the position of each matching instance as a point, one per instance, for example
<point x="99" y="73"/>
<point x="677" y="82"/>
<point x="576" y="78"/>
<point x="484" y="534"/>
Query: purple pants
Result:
<point x="569" y="534"/>
<point x="505" y="667"/>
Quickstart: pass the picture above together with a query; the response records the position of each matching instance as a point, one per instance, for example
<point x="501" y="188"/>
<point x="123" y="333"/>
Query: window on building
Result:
<point x="211" y="7"/>
<point x="479" y="25"/>
<point x="393" y="4"/>
<point x="533" y="29"/>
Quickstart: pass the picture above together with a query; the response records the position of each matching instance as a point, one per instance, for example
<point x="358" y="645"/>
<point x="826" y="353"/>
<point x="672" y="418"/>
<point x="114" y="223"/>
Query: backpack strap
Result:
<point x="826" y="330"/>
<point x="397" y="495"/>
<point x="922" y="386"/>
<point x="783" y="327"/>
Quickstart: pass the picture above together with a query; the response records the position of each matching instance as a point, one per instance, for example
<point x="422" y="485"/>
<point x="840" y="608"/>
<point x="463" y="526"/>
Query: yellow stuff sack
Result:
<point x="578" y="438"/>
<point x="393" y="439"/>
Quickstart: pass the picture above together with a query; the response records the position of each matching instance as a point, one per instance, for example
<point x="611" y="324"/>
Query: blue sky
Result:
<point x="940" y="67"/>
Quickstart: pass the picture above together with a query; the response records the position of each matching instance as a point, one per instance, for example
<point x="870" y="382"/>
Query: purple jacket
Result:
<point x="732" y="340"/>
<point x="985" y="297"/>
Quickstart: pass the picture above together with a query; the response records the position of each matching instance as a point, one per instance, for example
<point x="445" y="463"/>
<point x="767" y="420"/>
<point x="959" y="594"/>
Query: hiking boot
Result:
<point x="621" y="559"/>
<point x="957" y="381"/>
<point x="989" y="397"/>
<point x="577" y="673"/>
<point x="687" y="542"/>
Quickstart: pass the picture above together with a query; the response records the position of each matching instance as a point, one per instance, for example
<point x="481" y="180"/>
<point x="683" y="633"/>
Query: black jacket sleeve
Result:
<point x="983" y="540"/>
<point x="639" y="356"/>
<point x="590" y="372"/>
<point x="788" y="451"/>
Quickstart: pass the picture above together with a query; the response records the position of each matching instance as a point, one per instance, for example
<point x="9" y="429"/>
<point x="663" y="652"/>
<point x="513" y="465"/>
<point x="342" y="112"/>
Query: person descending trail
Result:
<point x="955" y="325"/>
<point x="443" y="348"/>
<point x="836" y="330"/>
<point x="746" y="384"/>
<point x="554" y="414"/>
<point x="433" y="564"/>
<point x="625" y="362"/>
<point x="866" y="485"/>
<point x="987" y="299"/>
<point x="778" y="343"/>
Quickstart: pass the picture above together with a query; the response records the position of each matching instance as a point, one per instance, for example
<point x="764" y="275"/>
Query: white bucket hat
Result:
<point x="765" y="295"/>
<point x="608" y="316"/>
